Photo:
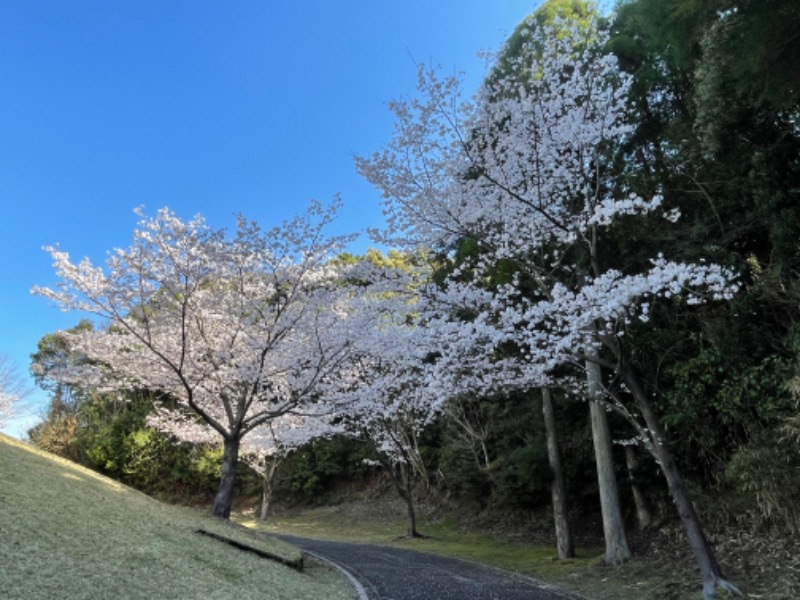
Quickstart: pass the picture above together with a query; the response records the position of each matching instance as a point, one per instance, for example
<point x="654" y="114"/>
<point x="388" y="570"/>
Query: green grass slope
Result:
<point x="67" y="532"/>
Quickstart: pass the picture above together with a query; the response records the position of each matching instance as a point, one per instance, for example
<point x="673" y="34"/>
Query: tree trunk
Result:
<point x="412" y="517"/>
<point x="402" y="481"/>
<point x="266" y="498"/>
<point x="704" y="554"/>
<point x="617" y="550"/>
<point x="230" y="460"/>
<point x="643" y="514"/>
<point x="485" y="454"/>
<point x="566" y="548"/>
<point x="266" y="492"/>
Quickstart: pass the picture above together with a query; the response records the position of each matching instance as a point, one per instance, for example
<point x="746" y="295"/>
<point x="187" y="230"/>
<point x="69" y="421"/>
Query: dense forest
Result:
<point x="591" y="305"/>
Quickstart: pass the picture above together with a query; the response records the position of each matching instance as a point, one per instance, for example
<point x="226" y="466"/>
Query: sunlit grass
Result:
<point x="67" y="532"/>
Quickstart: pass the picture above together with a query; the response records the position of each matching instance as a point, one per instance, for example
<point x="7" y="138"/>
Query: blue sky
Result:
<point x="208" y="107"/>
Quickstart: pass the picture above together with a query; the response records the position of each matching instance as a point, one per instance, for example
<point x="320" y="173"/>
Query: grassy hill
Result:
<point x="67" y="532"/>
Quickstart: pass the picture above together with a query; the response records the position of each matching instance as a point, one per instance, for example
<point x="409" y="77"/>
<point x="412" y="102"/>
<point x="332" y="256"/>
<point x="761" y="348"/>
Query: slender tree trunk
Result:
<point x="485" y="454"/>
<point x="404" y="484"/>
<point x="224" y="497"/>
<point x="401" y="474"/>
<point x="704" y="554"/>
<point x="266" y="491"/>
<point x="566" y="548"/>
<point x="266" y="498"/>
<point x="474" y="435"/>
<point x="416" y="465"/>
<point x="643" y="514"/>
<point x="617" y="550"/>
<point x="412" y="517"/>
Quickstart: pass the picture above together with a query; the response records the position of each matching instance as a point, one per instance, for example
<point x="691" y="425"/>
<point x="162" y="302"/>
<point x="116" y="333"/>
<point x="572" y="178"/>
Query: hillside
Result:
<point x="67" y="532"/>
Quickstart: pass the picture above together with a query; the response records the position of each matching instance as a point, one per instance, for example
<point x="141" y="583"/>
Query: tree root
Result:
<point x="710" y="588"/>
<point x="415" y="536"/>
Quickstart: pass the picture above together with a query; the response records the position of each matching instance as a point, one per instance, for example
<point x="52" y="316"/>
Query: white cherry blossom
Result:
<point x="236" y="331"/>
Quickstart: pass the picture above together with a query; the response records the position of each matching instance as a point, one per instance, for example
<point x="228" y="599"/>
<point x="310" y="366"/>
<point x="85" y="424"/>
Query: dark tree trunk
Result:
<point x="617" y="550"/>
<point x="643" y="514"/>
<point x="704" y="554"/>
<point x="402" y="481"/>
<point x="564" y="544"/>
<point x="230" y="460"/>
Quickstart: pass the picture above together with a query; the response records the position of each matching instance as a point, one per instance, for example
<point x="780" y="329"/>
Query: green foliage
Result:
<point x="462" y="476"/>
<point x="550" y="13"/>
<point x="312" y="472"/>
<point x="755" y="392"/>
<point x="58" y="433"/>
<point x="717" y="136"/>
<point x="523" y="477"/>
<point x="765" y="477"/>
<point x="575" y="11"/>
<point x="109" y="434"/>
<point x="313" y="466"/>
<point x="517" y="474"/>
<point x="53" y="354"/>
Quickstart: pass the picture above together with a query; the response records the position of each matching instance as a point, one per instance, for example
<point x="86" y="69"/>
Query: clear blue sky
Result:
<point x="207" y="107"/>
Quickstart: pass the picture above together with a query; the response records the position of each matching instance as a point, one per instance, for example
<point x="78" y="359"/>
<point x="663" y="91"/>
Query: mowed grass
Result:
<point x="67" y="532"/>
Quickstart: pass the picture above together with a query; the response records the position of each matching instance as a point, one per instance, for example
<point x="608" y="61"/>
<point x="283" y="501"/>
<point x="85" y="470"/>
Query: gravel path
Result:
<point x="398" y="574"/>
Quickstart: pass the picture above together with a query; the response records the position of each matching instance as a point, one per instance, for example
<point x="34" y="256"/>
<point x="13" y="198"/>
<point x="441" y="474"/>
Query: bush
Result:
<point x="765" y="476"/>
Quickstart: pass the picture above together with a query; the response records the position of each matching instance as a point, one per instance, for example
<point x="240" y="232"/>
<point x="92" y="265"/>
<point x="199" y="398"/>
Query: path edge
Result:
<point x="361" y="592"/>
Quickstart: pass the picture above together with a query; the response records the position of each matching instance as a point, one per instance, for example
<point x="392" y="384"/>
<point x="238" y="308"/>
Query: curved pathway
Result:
<point x="388" y="573"/>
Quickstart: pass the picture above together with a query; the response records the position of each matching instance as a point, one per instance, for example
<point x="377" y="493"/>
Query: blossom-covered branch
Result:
<point x="235" y="331"/>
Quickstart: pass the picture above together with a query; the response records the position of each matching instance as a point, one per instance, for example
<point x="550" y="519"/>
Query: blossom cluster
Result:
<point x="524" y="169"/>
<point x="237" y="332"/>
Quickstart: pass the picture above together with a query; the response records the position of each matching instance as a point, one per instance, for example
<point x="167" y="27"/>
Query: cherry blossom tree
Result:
<point x="234" y="331"/>
<point x="392" y="408"/>
<point x="389" y="400"/>
<point x="447" y="155"/>
<point x="523" y="170"/>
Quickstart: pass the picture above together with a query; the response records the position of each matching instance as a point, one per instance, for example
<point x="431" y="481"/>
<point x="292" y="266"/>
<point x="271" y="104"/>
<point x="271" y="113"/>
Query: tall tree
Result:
<point x="717" y="133"/>
<point x="235" y="331"/>
<point x="392" y="413"/>
<point x="525" y="171"/>
<point x="389" y="402"/>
